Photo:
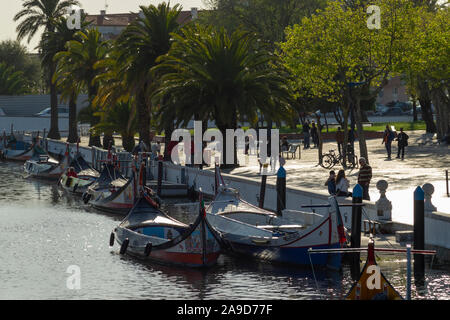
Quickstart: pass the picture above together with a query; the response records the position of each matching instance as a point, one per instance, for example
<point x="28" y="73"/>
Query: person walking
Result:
<point x="388" y="137"/>
<point x="340" y="140"/>
<point x="306" y="135"/>
<point x="364" y="177"/>
<point x="314" y="134"/>
<point x="342" y="185"/>
<point x="402" y="139"/>
<point x="331" y="183"/>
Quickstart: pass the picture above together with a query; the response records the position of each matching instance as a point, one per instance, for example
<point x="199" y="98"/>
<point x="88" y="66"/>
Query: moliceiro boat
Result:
<point x="150" y="234"/>
<point x="84" y="175"/>
<point x="252" y="231"/>
<point x="111" y="192"/>
<point x="14" y="149"/>
<point x="41" y="165"/>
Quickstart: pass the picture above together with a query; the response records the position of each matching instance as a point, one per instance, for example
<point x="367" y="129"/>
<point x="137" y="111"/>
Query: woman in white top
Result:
<point x="342" y="185"/>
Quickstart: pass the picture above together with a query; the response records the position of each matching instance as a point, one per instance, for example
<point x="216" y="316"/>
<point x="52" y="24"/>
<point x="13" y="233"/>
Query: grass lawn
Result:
<point x="379" y="126"/>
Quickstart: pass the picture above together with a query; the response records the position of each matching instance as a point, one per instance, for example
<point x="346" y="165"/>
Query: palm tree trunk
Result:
<point x="143" y="118"/>
<point x="73" y="132"/>
<point x="54" y="130"/>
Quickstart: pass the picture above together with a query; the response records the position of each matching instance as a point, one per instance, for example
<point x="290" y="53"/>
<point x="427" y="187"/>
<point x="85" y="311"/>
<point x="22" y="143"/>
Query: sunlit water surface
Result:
<point x="43" y="232"/>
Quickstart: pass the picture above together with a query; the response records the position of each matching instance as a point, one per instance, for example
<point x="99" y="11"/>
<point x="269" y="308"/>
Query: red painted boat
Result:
<point x="149" y="233"/>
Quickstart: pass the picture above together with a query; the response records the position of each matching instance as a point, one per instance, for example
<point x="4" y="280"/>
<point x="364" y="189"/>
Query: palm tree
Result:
<point x="37" y="14"/>
<point x="51" y="44"/>
<point x="117" y="119"/>
<point x="140" y="44"/>
<point x="222" y="77"/>
<point x="77" y="63"/>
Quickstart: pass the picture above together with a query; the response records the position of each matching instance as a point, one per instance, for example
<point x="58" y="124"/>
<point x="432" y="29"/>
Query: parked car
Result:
<point x="63" y="112"/>
<point x="396" y="111"/>
<point x="379" y="109"/>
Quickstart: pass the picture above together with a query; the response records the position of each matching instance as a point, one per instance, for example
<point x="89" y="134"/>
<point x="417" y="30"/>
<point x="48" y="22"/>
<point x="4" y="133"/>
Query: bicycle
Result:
<point x="330" y="159"/>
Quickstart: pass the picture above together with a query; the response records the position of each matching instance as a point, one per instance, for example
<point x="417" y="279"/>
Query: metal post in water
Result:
<point x="281" y="189"/>
<point x="419" y="233"/>
<point x="262" y="191"/>
<point x="408" y="271"/>
<point x="160" y="172"/>
<point x="446" y="181"/>
<point x="355" y="240"/>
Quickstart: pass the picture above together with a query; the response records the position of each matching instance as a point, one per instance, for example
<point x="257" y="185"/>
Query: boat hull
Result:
<point x="76" y="185"/>
<point x="120" y="201"/>
<point x="18" y="155"/>
<point x="50" y="171"/>
<point x="188" y="253"/>
<point x="289" y="255"/>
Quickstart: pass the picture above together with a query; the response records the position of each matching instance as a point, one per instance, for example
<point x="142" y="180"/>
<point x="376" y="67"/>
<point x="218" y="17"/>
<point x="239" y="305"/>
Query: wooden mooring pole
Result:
<point x="160" y="172"/>
<point x="419" y="234"/>
<point x="446" y="182"/>
<point x="262" y="190"/>
<point x="281" y="190"/>
<point x="355" y="239"/>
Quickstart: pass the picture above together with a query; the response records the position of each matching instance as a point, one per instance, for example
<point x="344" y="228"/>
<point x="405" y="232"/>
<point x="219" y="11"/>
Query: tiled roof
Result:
<point x="116" y="19"/>
<point x="124" y="19"/>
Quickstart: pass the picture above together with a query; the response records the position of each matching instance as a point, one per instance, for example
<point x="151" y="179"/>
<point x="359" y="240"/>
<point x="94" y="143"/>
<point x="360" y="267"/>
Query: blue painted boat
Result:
<point x="255" y="232"/>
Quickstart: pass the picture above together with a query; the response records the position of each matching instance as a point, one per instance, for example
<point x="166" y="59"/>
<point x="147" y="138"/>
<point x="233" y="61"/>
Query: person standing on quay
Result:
<point x="340" y="140"/>
<point x="364" y="177"/>
<point x="306" y="135"/>
<point x="388" y="137"/>
<point x="402" y="139"/>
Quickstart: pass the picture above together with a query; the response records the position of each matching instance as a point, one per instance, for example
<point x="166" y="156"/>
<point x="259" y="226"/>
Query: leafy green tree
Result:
<point x="428" y="63"/>
<point x="37" y="14"/>
<point x="209" y="74"/>
<point x="11" y="82"/>
<point x="267" y="18"/>
<point x="139" y="45"/>
<point x="334" y="55"/>
<point x="12" y="53"/>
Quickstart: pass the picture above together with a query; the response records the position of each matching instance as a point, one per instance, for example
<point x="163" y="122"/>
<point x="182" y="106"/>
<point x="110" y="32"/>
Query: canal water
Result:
<point x="46" y="235"/>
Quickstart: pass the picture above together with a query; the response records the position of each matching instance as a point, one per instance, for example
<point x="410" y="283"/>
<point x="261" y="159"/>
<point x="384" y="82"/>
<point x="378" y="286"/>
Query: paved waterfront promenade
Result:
<point x="422" y="164"/>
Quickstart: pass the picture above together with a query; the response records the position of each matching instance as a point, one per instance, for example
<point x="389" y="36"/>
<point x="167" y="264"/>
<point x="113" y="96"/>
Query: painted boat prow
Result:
<point x="372" y="284"/>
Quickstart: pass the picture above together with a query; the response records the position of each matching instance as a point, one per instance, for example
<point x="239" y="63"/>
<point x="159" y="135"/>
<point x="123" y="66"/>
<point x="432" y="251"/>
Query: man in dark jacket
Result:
<point x="364" y="177"/>
<point x="402" y="139"/>
<point x="306" y="135"/>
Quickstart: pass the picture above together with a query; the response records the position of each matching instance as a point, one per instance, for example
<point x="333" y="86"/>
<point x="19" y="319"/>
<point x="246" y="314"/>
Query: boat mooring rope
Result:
<point x="314" y="274"/>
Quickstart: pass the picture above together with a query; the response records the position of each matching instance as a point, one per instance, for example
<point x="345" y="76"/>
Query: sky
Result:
<point x="9" y="8"/>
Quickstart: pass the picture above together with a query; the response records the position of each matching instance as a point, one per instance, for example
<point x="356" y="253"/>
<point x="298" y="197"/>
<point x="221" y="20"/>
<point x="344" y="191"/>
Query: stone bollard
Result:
<point x="383" y="205"/>
<point x="428" y="190"/>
